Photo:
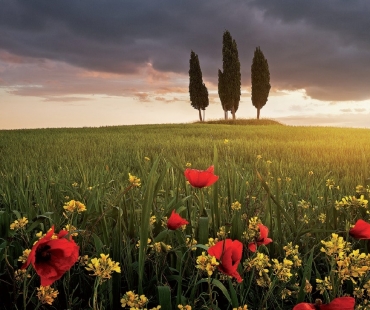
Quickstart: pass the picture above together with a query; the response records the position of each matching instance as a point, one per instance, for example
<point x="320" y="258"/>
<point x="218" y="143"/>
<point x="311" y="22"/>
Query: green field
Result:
<point x="289" y="177"/>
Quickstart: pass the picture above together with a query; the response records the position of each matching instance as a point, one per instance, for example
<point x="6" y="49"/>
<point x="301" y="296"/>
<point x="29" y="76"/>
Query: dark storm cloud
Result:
<point x="321" y="46"/>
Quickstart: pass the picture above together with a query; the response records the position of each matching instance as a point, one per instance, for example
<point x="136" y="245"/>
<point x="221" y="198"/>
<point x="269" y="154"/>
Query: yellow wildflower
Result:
<point x="19" y="224"/>
<point x="135" y="181"/>
<point x="236" y="206"/>
<point x="103" y="267"/>
<point x="46" y="294"/>
<point x="24" y="256"/>
<point x="323" y="285"/>
<point x="20" y="275"/>
<point x="336" y="247"/>
<point x="211" y="242"/>
<point x="191" y="243"/>
<point x="304" y="204"/>
<point x="71" y="229"/>
<point x="135" y="301"/>
<point x="73" y="205"/>
<point x="186" y="307"/>
<point x="282" y="270"/>
<point x="83" y="260"/>
<point x="188" y="165"/>
<point x="308" y="287"/>
<point x="207" y="263"/>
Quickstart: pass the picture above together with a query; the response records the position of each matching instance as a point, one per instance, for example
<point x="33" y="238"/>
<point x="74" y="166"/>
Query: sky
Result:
<point x="92" y="63"/>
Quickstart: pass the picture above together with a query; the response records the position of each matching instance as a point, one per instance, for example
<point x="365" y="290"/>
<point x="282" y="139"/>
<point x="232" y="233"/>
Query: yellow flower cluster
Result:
<point x="253" y="229"/>
<point x="207" y="263"/>
<point x="330" y="183"/>
<point x="336" y="247"/>
<point x="304" y="204"/>
<point x="73" y="205"/>
<point x="323" y="285"/>
<point x="161" y="247"/>
<point x="190" y="243"/>
<point x="293" y="254"/>
<point x="19" y="224"/>
<point x="83" y="260"/>
<point x="152" y="220"/>
<point x="222" y="233"/>
<point x="351" y="202"/>
<point x="186" y="307"/>
<point x="24" y="256"/>
<point x="282" y="270"/>
<point x="135" y="302"/>
<point x="322" y="217"/>
<point x="245" y="307"/>
<point x="285" y="292"/>
<point x="103" y="267"/>
<point x="20" y="275"/>
<point x="308" y="287"/>
<point x="235" y="206"/>
<point x="211" y="242"/>
<point x="71" y="229"/>
<point x="135" y="181"/>
<point x="360" y="189"/>
<point x="188" y="165"/>
<point x="261" y="263"/>
<point x="354" y="265"/>
<point x="46" y="294"/>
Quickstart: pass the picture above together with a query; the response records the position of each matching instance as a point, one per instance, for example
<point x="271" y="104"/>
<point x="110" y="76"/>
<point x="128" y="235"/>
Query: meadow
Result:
<point x="113" y="189"/>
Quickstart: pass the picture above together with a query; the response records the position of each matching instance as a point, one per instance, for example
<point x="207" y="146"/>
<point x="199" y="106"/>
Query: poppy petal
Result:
<point x="175" y="221"/>
<point x="201" y="178"/>
<point x="361" y="230"/>
<point x="252" y="246"/>
<point x="304" y="306"/>
<point x="218" y="249"/>
<point x="229" y="253"/>
<point x="340" y="303"/>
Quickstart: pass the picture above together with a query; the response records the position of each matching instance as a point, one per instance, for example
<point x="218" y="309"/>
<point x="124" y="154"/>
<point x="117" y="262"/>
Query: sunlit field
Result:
<point x="268" y="222"/>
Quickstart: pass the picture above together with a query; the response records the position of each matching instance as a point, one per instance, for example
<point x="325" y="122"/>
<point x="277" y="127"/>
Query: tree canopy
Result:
<point x="260" y="79"/>
<point x="229" y="80"/>
<point x="197" y="89"/>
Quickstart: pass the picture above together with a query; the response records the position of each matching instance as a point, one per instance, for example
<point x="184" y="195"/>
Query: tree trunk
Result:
<point x="200" y="115"/>
<point x="233" y="113"/>
<point x="226" y="115"/>
<point x="258" y="113"/>
<point x="204" y="115"/>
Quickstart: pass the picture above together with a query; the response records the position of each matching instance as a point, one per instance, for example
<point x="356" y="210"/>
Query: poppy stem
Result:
<point x="210" y="291"/>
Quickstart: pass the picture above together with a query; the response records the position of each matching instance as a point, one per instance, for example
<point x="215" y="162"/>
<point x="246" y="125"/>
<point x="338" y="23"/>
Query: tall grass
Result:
<point x="268" y="169"/>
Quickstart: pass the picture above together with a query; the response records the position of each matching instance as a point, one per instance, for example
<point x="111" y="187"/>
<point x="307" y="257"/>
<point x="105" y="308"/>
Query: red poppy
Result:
<point x="340" y="303"/>
<point x="262" y="239"/>
<point x="176" y="221"/>
<point x="361" y="230"/>
<point x="51" y="258"/>
<point x="201" y="178"/>
<point x="229" y="252"/>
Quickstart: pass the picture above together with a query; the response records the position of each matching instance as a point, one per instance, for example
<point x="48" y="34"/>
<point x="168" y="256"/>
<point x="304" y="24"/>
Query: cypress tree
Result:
<point x="260" y="79"/>
<point x="229" y="80"/>
<point x="197" y="89"/>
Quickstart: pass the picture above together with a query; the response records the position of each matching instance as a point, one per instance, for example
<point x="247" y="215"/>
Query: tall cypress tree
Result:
<point x="260" y="78"/>
<point x="229" y="80"/>
<point x="197" y="89"/>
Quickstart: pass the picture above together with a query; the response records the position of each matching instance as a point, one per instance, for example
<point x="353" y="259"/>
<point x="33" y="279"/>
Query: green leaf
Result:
<point x="306" y="275"/>
<point x="164" y="296"/>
